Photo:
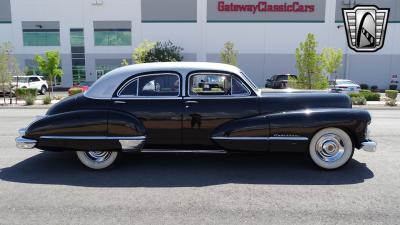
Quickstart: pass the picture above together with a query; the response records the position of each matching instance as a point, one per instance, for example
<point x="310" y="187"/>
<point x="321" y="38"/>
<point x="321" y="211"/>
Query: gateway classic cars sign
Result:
<point x="266" y="11"/>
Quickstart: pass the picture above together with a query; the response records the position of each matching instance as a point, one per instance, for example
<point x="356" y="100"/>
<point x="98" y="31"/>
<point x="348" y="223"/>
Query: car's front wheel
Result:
<point x="97" y="160"/>
<point x="43" y="90"/>
<point x="331" y="148"/>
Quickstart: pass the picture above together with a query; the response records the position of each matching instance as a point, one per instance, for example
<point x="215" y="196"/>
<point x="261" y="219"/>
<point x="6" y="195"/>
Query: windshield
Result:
<point x="20" y="79"/>
<point x="344" y="82"/>
<point x="249" y="81"/>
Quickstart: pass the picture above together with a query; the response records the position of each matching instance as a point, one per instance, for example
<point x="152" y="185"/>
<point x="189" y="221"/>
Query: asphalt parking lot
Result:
<point x="53" y="188"/>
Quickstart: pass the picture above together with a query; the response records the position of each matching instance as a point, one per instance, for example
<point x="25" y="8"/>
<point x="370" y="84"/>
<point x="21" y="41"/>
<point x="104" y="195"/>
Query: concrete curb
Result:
<point x="383" y="107"/>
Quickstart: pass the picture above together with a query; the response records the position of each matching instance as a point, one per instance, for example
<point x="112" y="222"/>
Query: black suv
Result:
<point x="279" y="81"/>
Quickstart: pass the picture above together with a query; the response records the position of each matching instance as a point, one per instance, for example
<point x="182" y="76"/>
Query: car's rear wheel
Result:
<point x="331" y="148"/>
<point x="43" y="90"/>
<point x="97" y="160"/>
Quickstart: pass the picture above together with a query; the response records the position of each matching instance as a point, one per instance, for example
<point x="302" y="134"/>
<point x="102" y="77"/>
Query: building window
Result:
<point x="33" y="37"/>
<point x="112" y="37"/>
<point x="76" y="37"/>
<point x="78" y="55"/>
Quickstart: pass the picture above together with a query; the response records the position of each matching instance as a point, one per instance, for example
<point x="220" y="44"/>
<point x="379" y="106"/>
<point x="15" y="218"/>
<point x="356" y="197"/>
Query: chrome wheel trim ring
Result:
<point x="330" y="147"/>
<point x="98" y="156"/>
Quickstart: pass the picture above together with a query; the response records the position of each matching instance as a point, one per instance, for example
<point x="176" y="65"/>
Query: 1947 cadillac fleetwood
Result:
<point x="197" y="107"/>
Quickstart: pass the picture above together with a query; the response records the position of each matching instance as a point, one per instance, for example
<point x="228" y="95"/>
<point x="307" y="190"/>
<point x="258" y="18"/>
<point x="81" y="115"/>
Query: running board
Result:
<point x="183" y="151"/>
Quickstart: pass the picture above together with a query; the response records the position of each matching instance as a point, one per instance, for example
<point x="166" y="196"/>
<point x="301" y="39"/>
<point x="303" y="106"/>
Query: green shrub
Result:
<point x="22" y="92"/>
<point x="391" y="96"/>
<point x="47" y="100"/>
<point x="364" y="86"/>
<point x="74" y="91"/>
<point x="370" y="96"/>
<point x="29" y="99"/>
<point x="354" y="95"/>
<point x="358" y="100"/>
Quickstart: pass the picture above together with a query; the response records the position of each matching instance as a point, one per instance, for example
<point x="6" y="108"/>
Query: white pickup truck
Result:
<point x="32" y="81"/>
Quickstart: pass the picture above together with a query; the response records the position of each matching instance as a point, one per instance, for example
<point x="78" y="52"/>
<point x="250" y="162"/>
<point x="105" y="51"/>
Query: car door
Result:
<point x="212" y="99"/>
<point x="34" y="82"/>
<point x="156" y="100"/>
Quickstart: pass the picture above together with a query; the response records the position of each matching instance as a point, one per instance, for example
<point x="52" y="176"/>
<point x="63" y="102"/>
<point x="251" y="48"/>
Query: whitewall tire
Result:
<point x="97" y="160"/>
<point x="331" y="148"/>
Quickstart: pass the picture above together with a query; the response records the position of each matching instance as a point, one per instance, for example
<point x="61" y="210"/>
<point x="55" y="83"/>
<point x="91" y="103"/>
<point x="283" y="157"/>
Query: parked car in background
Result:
<point x="279" y="81"/>
<point x="344" y="86"/>
<point x="84" y="86"/>
<point x="33" y="81"/>
<point x="197" y="107"/>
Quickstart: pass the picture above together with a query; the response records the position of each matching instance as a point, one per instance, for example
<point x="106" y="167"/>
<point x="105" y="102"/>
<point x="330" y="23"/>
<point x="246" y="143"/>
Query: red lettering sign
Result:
<point x="263" y="6"/>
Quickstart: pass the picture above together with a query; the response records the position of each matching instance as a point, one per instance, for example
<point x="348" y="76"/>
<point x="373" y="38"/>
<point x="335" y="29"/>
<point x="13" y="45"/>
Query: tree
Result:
<point x="228" y="54"/>
<point x="331" y="60"/>
<point x="124" y="62"/>
<point x="8" y="68"/>
<point x="309" y="66"/>
<point x="50" y="66"/>
<point x="164" y="52"/>
<point x="140" y="53"/>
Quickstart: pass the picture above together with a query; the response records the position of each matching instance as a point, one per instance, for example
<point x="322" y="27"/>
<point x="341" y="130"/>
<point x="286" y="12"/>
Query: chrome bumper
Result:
<point x="368" y="146"/>
<point x="24" y="143"/>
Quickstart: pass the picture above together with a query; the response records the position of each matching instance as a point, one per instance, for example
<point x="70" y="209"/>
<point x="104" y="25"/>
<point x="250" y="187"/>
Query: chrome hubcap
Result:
<point x="330" y="147"/>
<point x="98" y="156"/>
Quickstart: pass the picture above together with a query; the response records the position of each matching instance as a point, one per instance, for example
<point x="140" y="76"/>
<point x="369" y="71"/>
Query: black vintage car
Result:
<point x="199" y="107"/>
<point x="279" y="81"/>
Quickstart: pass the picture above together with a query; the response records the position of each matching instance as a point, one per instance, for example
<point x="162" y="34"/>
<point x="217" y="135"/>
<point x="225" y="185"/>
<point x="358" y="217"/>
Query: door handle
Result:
<point x="191" y="102"/>
<point x="119" y="102"/>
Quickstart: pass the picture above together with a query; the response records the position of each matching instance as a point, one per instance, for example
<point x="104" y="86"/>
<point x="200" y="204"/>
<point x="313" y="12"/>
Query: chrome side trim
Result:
<point x="94" y="137"/>
<point x="182" y="151"/>
<point x="242" y="138"/>
<point x="24" y="143"/>
<point x="289" y="138"/>
<point x="369" y="146"/>
<point x="131" y="145"/>
<point x="262" y="138"/>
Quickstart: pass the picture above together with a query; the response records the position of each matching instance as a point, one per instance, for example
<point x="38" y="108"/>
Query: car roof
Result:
<point x="108" y="83"/>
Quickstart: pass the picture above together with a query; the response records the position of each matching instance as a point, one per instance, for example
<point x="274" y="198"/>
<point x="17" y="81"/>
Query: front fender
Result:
<point x="305" y="123"/>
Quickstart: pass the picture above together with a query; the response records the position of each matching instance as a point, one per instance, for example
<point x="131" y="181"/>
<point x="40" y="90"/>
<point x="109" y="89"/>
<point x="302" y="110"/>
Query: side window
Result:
<point x="210" y="84"/>
<point x="159" y="85"/>
<point x="238" y="88"/>
<point x="129" y="89"/>
<point x="33" y="79"/>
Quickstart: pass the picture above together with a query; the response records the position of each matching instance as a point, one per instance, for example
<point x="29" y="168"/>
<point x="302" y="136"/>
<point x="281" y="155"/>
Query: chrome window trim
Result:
<point x="145" y="96"/>
<point x="262" y="138"/>
<point x="241" y="82"/>
<point x="93" y="137"/>
<point x="126" y="84"/>
<point x="213" y="96"/>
